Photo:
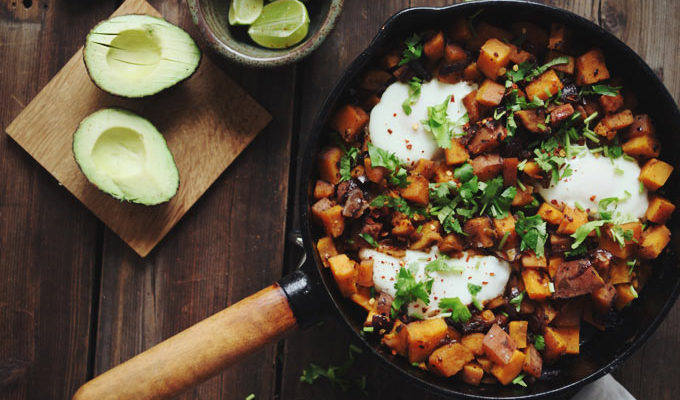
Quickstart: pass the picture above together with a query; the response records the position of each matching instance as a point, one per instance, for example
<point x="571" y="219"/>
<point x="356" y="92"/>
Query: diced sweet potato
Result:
<point x="518" y="332"/>
<point x="396" y="340"/>
<point x="642" y="146"/>
<point x="429" y="235"/>
<point x="484" y="32"/>
<point x="417" y="190"/>
<point x="345" y="273"/>
<point x="536" y="283"/>
<point x="573" y="218"/>
<point x="451" y="243"/>
<point x="505" y="227"/>
<point x="454" y="54"/>
<point x="533" y="170"/>
<point x="487" y="166"/>
<point x="654" y="240"/>
<point x="659" y="210"/>
<point x="326" y="248"/>
<point x="424" y="168"/>
<point x="518" y="56"/>
<point x="365" y="273"/>
<point x="523" y="196"/>
<point x="642" y="126"/>
<point x="349" y="121"/>
<point x="373" y="80"/>
<point x="456" y="154"/>
<point x="471" y="73"/>
<point x="490" y="93"/>
<point x="493" y="57"/>
<point x="320" y="206"/>
<point x="567" y="68"/>
<point x="498" y="345"/>
<point x="449" y="359"/>
<point x="550" y="214"/>
<point x="558" y="36"/>
<point x="548" y="82"/>
<point x="480" y="232"/>
<point x="510" y="171"/>
<point x="625" y="293"/>
<point x="333" y="221"/>
<point x="555" y="345"/>
<point x="571" y="338"/>
<point x="533" y="120"/>
<point x="402" y="225"/>
<point x="611" y="104"/>
<point x="530" y="260"/>
<point x="553" y="265"/>
<point x="591" y="68"/>
<point x="374" y="174"/>
<point x="473" y="342"/>
<point x="472" y="373"/>
<point x="603" y="298"/>
<point x="560" y="113"/>
<point x="614" y="122"/>
<point x="460" y="30"/>
<point x="655" y="173"/>
<point x="618" y="272"/>
<point x="485" y="363"/>
<point x="532" y="33"/>
<point x="575" y="278"/>
<point x="473" y="107"/>
<point x="614" y="247"/>
<point x="390" y="60"/>
<point x="364" y="299"/>
<point x="434" y="48"/>
<point x="533" y="363"/>
<point x="322" y="189"/>
<point x="329" y="170"/>
<point x="487" y="138"/>
<point x="570" y="313"/>
<point x="423" y="337"/>
<point x="505" y="373"/>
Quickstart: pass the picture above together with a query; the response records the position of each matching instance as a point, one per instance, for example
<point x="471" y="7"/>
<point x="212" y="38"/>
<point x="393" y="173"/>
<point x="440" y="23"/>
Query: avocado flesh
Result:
<point x="139" y="55"/>
<point x="125" y="156"/>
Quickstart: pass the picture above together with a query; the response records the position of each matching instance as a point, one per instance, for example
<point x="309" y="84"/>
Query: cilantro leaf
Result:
<point x="522" y="71"/>
<point x="459" y="311"/>
<point x="519" y="380"/>
<point x="464" y="173"/>
<point x="437" y="123"/>
<point x="413" y="50"/>
<point x="440" y="265"/>
<point x="383" y="158"/>
<point x="517" y="301"/>
<point x="409" y="290"/>
<point x="336" y="374"/>
<point x="603" y="90"/>
<point x="346" y="162"/>
<point x="540" y="70"/>
<point x="413" y="94"/>
<point x="532" y="231"/>
<point x="398" y="204"/>
<point x="539" y="342"/>
<point x="473" y="289"/>
<point x="584" y="230"/>
<point x="369" y="239"/>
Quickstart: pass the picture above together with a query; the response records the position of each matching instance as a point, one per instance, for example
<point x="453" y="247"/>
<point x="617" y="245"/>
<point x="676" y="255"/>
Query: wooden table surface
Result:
<point x="75" y="300"/>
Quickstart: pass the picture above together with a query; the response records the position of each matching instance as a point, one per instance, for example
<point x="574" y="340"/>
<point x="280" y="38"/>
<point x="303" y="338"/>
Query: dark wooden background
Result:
<point x="75" y="300"/>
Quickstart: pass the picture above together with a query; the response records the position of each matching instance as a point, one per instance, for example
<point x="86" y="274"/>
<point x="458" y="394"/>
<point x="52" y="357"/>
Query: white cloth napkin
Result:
<point x="605" y="388"/>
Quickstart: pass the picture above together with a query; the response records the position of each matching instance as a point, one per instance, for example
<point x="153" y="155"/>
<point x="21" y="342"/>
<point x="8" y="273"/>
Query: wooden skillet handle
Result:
<point x="197" y="353"/>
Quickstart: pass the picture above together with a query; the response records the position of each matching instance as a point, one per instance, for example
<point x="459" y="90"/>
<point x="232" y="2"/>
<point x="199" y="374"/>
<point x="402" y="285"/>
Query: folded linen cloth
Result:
<point x="605" y="388"/>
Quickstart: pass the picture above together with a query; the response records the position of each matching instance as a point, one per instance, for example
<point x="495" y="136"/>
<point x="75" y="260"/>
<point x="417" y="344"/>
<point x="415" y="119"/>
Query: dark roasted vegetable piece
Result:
<point x="575" y="278"/>
<point x="480" y="231"/>
<point x="488" y="137"/>
<point x="487" y="166"/>
<point x="498" y="345"/>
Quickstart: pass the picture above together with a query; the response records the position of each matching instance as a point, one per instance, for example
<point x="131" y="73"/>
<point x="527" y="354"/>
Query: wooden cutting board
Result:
<point x="207" y="121"/>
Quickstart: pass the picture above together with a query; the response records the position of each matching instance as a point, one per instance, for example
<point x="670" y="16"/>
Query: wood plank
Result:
<point x="651" y="29"/>
<point x="48" y="241"/>
<point x="229" y="246"/>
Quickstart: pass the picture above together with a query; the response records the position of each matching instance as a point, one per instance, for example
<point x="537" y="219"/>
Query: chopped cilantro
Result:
<point x="473" y="289"/>
<point x="336" y="374"/>
<point x="369" y="239"/>
<point x="504" y="239"/>
<point x="584" y="230"/>
<point x="477" y="304"/>
<point x="539" y="342"/>
<point x="413" y="50"/>
<point x="517" y="301"/>
<point x="413" y="94"/>
<point x="440" y="265"/>
<point x="346" y="162"/>
<point x="519" y="380"/>
<point x="250" y="396"/>
<point x="464" y="173"/>
<point x="631" y="265"/>
<point x="398" y="204"/>
<point x="440" y="126"/>
<point x="532" y="231"/>
<point x="408" y="290"/>
<point x="367" y="329"/>
<point x="522" y="70"/>
<point x="459" y="311"/>
<point x="603" y="90"/>
<point x="382" y="158"/>
<point x="540" y="70"/>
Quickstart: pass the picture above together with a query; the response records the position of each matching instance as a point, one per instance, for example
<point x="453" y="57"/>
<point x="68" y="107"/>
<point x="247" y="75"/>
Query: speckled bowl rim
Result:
<point x="288" y="57"/>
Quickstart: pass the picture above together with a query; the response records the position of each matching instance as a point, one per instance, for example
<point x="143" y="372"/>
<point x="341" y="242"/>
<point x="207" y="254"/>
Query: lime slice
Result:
<point x="244" y="12"/>
<point x="282" y="24"/>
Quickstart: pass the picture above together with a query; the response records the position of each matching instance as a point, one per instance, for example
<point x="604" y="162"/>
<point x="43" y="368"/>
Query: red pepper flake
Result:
<point x="492" y="274"/>
<point x="485" y="283"/>
<point x="409" y="146"/>
<point x="469" y="277"/>
<point x="553" y="201"/>
<point x="453" y="99"/>
<point x="394" y="115"/>
<point x="436" y="298"/>
<point x="389" y="131"/>
<point x="592" y="198"/>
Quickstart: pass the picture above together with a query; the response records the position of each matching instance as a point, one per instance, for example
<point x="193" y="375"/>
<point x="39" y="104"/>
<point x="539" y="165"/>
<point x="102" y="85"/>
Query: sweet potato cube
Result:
<point x="473" y="107"/>
<point x="349" y="121"/>
<point x="518" y="333"/>
<point x="591" y="68"/>
<point x="553" y="264"/>
<point x="576" y="278"/>
<point x="548" y="82"/>
<point x="536" y="283"/>
<point x="364" y="299"/>
<point x="326" y="248"/>
<point x="365" y="273"/>
<point x="611" y="104"/>
<point x="555" y="345"/>
<point x="429" y="234"/>
<point x="417" y="191"/>
<point x="487" y="166"/>
<point x="560" y="113"/>
<point x="396" y="340"/>
<point x="345" y="273"/>
<point x="493" y="56"/>
<point x="532" y="33"/>
<point x="659" y="210"/>
<point x="570" y="313"/>
<point x="654" y="240"/>
<point x="474" y="342"/>
<point x="480" y="232"/>
<point x="533" y="120"/>
<point x="333" y="221"/>
<point x="642" y="146"/>
<point x="533" y="170"/>
<point x="505" y="227"/>
<point x="454" y="54"/>
<point x="550" y="214"/>
<point x="614" y="122"/>
<point x="484" y="32"/>
<point x="530" y="260"/>
<point x="510" y="171"/>
<point x="485" y="363"/>
<point x="423" y="337"/>
<point x="571" y="338"/>
<point x="567" y="68"/>
<point x="498" y="345"/>
<point x="472" y="373"/>
<point x="518" y="56"/>
<point x="434" y="48"/>
<point x="618" y="272"/>
<point x="424" y="167"/>
<point x="329" y="169"/>
<point x="472" y="73"/>
<point x="573" y="218"/>
<point x="655" y="173"/>
<point x="374" y="174"/>
<point x="449" y="359"/>
<point x="460" y="30"/>
<point x="523" y="196"/>
<point x="505" y="373"/>
<point x="558" y="36"/>
<point x="642" y="126"/>
<point x="490" y="93"/>
<point x="322" y="189"/>
<point x="451" y="243"/>
<point x="456" y="154"/>
<point x="625" y="294"/>
<point x="533" y="363"/>
<point x="612" y="246"/>
<point x="603" y="298"/>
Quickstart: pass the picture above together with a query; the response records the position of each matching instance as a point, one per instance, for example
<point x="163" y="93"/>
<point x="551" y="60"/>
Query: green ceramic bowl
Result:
<point x="233" y="43"/>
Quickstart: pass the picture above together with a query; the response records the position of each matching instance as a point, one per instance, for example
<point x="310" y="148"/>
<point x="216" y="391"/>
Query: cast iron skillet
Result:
<point x="302" y="297"/>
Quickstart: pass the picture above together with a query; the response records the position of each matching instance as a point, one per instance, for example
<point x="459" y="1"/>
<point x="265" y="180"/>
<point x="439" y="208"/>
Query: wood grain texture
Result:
<point x="207" y="121"/>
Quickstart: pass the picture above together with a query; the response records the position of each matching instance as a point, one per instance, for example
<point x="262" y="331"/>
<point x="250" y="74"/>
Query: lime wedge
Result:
<point x="244" y="12"/>
<point x="282" y="24"/>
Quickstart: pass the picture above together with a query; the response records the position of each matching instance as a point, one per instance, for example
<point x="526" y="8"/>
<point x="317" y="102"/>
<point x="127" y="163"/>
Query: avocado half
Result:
<point x="125" y="156"/>
<point x="139" y="55"/>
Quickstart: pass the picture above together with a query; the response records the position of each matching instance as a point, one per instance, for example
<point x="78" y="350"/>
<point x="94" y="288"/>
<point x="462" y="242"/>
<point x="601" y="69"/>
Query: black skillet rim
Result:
<point x="317" y="129"/>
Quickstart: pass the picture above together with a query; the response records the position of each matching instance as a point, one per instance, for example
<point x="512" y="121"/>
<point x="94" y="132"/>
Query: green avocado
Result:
<point x="125" y="156"/>
<point x="139" y="55"/>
